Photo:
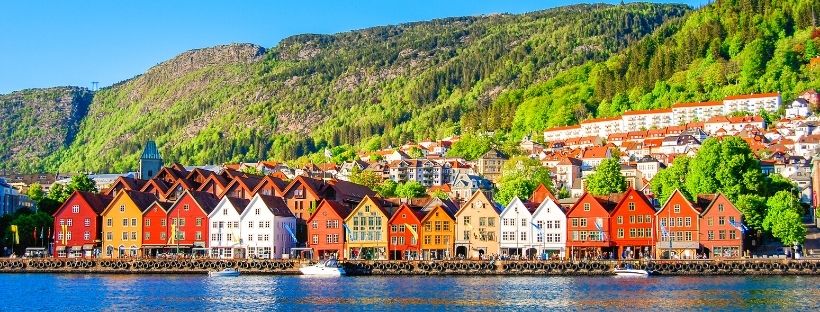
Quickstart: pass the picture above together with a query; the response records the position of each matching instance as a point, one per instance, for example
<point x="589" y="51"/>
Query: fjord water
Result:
<point x="294" y="293"/>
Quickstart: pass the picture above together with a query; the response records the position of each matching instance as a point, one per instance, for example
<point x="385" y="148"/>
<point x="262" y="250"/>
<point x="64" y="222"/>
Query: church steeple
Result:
<point x="150" y="161"/>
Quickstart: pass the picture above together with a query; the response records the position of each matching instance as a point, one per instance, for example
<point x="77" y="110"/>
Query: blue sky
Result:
<point x="55" y="43"/>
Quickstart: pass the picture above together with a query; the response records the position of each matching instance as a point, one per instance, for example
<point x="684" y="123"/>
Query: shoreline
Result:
<point x="418" y="267"/>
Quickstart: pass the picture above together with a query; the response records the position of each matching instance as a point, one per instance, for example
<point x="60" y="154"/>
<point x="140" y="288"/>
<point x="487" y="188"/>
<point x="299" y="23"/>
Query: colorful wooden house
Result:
<point x="326" y="231"/>
<point x="720" y="228"/>
<point x="77" y="225"/>
<point x="188" y="220"/>
<point x="477" y="227"/>
<point x="677" y="229"/>
<point x="241" y="187"/>
<point x="550" y="229"/>
<point x="122" y="223"/>
<point x="405" y="225"/>
<point x="124" y="183"/>
<point x="588" y="227"/>
<point x="268" y="227"/>
<point x="516" y="231"/>
<point x="367" y="228"/>
<point x="630" y="226"/>
<point x="226" y="235"/>
<point x="157" y="187"/>
<point x="155" y="229"/>
<point x="214" y="184"/>
<point x="437" y="230"/>
<point x="271" y="186"/>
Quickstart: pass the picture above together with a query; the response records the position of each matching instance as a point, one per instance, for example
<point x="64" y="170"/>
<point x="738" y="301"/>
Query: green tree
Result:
<point x="521" y="188"/>
<point x="415" y="152"/>
<point x="563" y="193"/>
<point x="252" y="171"/>
<point x="58" y="192"/>
<point x="35" y="192"/>
<point x="672" y="178"/>
<point x="753" y="208"/>
<point x="777" y="206"/>
<point x="438" y="193"/>
<point x="411" y="189"/>
<point x="606" y="179"/>
<point x="788" y="228"/>
<point x="387" y="188"/>
<point x="470" y="147"/>
<point x="725" y="165"/>
<point x="365" y="177"/>
<point x="81" y="183"/>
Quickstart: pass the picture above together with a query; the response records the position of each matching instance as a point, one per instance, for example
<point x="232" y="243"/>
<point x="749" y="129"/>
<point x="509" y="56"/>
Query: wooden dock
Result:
<point x="462" y="267"/>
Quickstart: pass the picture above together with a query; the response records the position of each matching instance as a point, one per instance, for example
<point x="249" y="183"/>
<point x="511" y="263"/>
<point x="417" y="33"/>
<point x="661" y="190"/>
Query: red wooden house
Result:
<point x="77" y="225"/>
<point x="588" y="235"/>
<point x="326" y="231"/>
<point x="155" y="228"/>
<point x="404" y="233"/>
<point x="720" y="235"/>
<point x="630" y="226"/>
<point x="188" y="221"/>
<point x="214" y="184"/>
<point x="540" y="194"/>
<point x="677" y="222"/>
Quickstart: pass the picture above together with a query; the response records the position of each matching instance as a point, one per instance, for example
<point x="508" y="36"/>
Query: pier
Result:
<point x="456" y="267"/>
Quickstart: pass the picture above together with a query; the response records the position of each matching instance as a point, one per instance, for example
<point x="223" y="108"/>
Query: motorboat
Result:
<point x="629" y="270"/>
<point x="329" y="267"/>
<point x="225" y="272"/>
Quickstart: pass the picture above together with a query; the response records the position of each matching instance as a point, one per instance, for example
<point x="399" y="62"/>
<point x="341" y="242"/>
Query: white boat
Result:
<point x="628" y="270"/>
<point x="225" y="272"/>
<point x="327" y="268"/>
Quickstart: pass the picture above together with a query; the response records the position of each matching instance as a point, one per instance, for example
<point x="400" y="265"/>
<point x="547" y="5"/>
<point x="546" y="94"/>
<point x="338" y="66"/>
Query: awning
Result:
<point x="76" y="247"/>
<point x="88" y="247"/>
<point x="60" y="248"/>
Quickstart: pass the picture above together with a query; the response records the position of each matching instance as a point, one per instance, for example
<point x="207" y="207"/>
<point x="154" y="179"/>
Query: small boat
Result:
<point x="628" y="270"/>
<point x="225" y="272"/>
<point x="327" y="268"/>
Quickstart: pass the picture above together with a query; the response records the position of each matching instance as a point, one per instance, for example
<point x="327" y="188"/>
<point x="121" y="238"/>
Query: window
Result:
<point x="163" y="236"/>
<point x="250" y="224"/>
<point x="574" y="222"/>
<point x="722" y="234"/>
<point x="677" y="208"/>
<point x="731" y="219"/>
<point x="133" y="235"/>
<point x="163" y="222"/>
<point x="620" y="233"/>
<point x="124" y="235"/>
<point x="225" y="212"/>
<point x="583" y="222"/>
<point x="631" y="206"/>
<point x="428" y="227"/>
<point x="446" y="225"/>
<point x="186" y="207"/>
<point x="124" y="222"/>
<point x="466" y="220"/>
<point x="523" y="222"/>
<point x="687" y="221"/>
<point x="710" y="235"/>
<point x="490" y="221"/>
<point x="75" y="209"/>
<point x="632" y="220"/>
<point x="147" y="222"/>
<point x="523" y="236"/>
<point x="732" y="234"/>
<point x="721" y="220"/>
<point x="438" y="225"/>
<point x="109" y="236"/>
<point x="482" y="221"/>
<point x="133" y="222"/>
<point x="257" y="211"/>
<point x="198" y="235"/>
<point x="198" y="221"/>
<point x="122" y="208"/>
<point x="69" y="222"/>
<point x="680" y="221"/>
<point x="720" y="207"/>
<point x="632" y="233"/>
<point x="229" y="237"/>
<point x="586" y="207"/>
<point x="109" y="222"/>
<point x="86" y="235"/>
<point x="314" y="224"/>
<point x="710" y="221"/>
<point x="147" y="235"/>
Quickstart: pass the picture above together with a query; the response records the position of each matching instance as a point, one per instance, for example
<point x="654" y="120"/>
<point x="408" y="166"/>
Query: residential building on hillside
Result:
<point x="465" y="185"/>
<point x="489" y="165"/>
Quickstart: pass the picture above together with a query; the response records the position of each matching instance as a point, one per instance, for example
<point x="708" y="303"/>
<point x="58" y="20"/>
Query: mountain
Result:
<point x="409" y="81"/>
<point x="37" y="122"/>
<point x="509" y="75"/>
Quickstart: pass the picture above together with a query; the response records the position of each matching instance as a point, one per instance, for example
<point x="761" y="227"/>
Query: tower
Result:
<point x="150" y="161"/>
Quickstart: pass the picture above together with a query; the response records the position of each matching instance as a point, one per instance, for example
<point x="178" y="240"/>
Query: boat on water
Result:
<point x="327" y="268"/>
<point x="629" y="270"/>
<point x="225" y="272"/>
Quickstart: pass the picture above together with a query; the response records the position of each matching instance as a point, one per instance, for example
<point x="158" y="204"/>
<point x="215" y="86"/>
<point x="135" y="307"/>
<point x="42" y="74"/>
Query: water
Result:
<point x="49" y="292"/>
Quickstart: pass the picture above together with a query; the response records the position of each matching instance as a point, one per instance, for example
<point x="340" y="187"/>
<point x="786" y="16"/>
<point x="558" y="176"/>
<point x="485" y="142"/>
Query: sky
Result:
<point x="59" y="43"/>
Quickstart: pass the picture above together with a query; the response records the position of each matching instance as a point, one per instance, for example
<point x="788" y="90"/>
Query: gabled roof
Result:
<point x="515" y="203"/>
<point x="341" y="210"/>
<point x="97" y="202"/>
<point x="540" y="194"/>
<point x="708" y="200"/>
<point x="275" y="204"/>
<point x="215" y="178"/>
<point x="631" y="191"/>
<point x="349" y="191"/>
<point x="238" y="204"/>
<point x="129" y="183"/>
<point x="416" y="213"/>
<point x="159" y="184"/>
<point x="162" y="205"/>
<point x="549" y="202"/>
<point x="311" y="185"/>
<point x="150" y="151"/>
<point x="277" y="183"/>
<point x="140" y="199"/>
<point x="206" y="201"/>
<point x="199" y="172"/>
<point x="479" y="195"/>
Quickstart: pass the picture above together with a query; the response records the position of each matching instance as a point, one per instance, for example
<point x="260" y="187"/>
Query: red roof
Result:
<point x="563" y="128"/>
<point x="752" y="96"/>
<point x="649" y="111"/>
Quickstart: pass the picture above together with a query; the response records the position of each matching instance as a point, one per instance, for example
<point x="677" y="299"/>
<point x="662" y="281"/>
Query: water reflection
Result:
<point x="289" y="293"/>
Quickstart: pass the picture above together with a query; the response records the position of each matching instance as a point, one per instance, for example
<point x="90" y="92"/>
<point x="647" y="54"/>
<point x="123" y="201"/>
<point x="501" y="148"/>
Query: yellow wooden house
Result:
<point x="122" y="224"/>
<point x="366" y="231"/>
<point x="477" y="227"/>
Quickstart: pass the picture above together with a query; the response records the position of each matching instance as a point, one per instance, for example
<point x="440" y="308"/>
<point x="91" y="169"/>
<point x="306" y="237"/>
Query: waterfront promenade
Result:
<point x="461" y="267"/>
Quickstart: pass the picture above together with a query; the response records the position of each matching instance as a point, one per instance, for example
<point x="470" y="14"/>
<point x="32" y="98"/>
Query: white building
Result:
<point x="646" y="119"/>
<point x="798" y="108"/>
<point x="551" y="239"/>
<point x="752" y="103"/>
<point x="516" y="230"/>
<point x="601" y="127"/>
<point x="268" y="227"/>
<point x="688" y="112"/>
<point x="562" y="133"/>
<point x="226" y="235"/>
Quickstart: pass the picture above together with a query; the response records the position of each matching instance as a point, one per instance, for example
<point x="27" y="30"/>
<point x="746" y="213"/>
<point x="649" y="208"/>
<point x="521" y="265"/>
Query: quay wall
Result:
<point x="460" y="267"/>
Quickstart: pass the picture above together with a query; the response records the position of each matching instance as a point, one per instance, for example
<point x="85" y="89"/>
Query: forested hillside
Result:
<point x="406" y="82"/>
<point x="509" y="75"/>
<point x="727" y="48"/>
<point x="36" y="122"/>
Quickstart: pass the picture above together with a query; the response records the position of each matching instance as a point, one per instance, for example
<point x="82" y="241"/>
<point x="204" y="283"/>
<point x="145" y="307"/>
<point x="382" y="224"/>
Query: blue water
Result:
<point x="41" y="292"/>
